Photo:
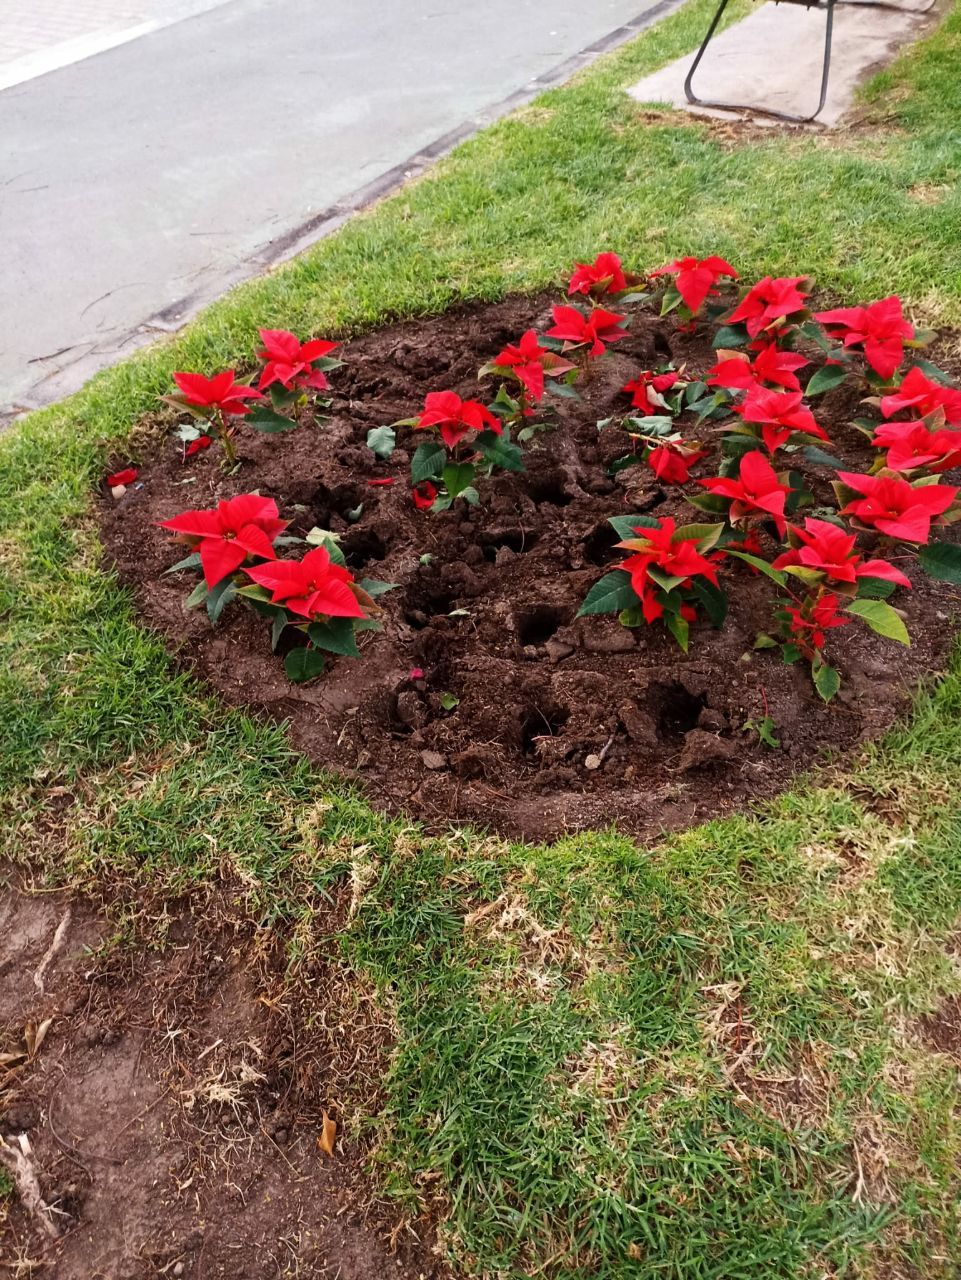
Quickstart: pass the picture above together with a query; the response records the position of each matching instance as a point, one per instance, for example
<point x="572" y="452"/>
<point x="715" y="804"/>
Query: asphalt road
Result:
<point x="139" y="183"/>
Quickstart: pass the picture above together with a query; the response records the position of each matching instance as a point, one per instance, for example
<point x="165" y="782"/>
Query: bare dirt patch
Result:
<point x="490" y="617"/>
<point x="173" y="1108"/>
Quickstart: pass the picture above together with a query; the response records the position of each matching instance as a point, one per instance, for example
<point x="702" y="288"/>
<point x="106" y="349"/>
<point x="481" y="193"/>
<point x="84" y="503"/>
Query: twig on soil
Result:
<point x="69" y="1149"/>
<point x="15" y="1158"/>
<point x="55" y="945"/>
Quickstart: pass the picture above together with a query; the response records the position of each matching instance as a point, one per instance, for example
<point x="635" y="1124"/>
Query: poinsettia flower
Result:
<point x="696" y="278"/>
<point x="529" y="362"/>
<point x="603" y="275"/>
<point x="830" y="550"/>
<point x="880" y="328"/>
<point x="672" y="462"/>
<point x="809" y="623"/>
<point x="768" y="302"/>
<point x="313" y="587"/>
<point x="638" y="389"/>
<point x="289" y="361"/>
<point x="770" y="365"/>
<point x="596" y="331"/>
<point x="779" y="414"/>
<point x="455" y="417"/>
<point x="912" y="445"/>
<point x="678" y="557"/>
<point x="222" y="392"/>
<point x="424" y="495"/>
<point x="924" y="396"/>
<point x="196" y="445"/>
<point x="233" y="530"/>
<point x="756" y="488"/>
<point x="894" y="507"/>
<point x="127" y="476"/>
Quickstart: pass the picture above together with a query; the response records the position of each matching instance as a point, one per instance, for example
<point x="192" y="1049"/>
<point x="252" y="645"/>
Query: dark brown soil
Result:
<point x="173" y="1108"/>
<point x="941" y="1030"/>
<point x="538" y="692"/>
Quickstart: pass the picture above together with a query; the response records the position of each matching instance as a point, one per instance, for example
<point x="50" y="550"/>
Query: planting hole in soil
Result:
<point x="489" y="696"/>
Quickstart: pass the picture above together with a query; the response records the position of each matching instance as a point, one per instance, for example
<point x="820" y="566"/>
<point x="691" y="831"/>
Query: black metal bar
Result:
<point x="691" y="97"/>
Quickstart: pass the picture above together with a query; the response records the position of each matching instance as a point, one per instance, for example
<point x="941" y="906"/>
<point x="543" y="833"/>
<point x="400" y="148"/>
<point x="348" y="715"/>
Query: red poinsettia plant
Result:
<point x="466" y="440"/>
<point x="670" y="572"/>
<point x="289" y="370"/>
<point x="315" y="599"/>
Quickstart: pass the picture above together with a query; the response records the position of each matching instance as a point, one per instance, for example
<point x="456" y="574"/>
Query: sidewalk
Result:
<point x="142" y="182"/>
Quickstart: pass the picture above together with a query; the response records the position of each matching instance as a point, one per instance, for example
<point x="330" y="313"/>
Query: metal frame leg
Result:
<point x="764" y="111"/>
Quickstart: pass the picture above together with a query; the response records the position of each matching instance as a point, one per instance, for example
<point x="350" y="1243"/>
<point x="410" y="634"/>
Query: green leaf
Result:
<point x="708" y="535"/>
<point x="219" y="597"/>
<point x="941" y="561"/>
<point x="197" y="596"/>
<point x="449" y="701"/>
<point x="335" y="635"/>
<point x="374" y="587"/>
<point x="427" y="462"/>
<point x="264" y="419"/>
<point x="277" y="629"/>
<point x="934" y="373"/>
<point x="381" y="441"/>
<point x="457" y="477"/>
<point x="875" y="588"/>
<point x="330" y="542"/>
<point x="499" y="452"/>
<point x="730" y="335"/>
<point x="826" y="378"/>
<point x="819" y="457"/>
<point x="790" y="654"/>
<point x="632" y="617"/>
<point x="811" y="330"/>
<point x="189" y="562"/>
<point x="678" y="628"/>
<point x="826" y="679"/>
<point x="610" y="594"/>
<point x="555" y="387"/>
<point x="626" y="525"/>
<point x="712" y="503"/>
<point x="768" y="570"/>
<point x="712" y="599"/>
<point x="303" y="664"/>
<point x="763" y="641"/>
<point x="666" y="581"/>
<point x="881" y="618"/>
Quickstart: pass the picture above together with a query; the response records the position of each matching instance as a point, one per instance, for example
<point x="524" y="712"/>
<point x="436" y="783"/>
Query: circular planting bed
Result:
<point x="485" y="697"/>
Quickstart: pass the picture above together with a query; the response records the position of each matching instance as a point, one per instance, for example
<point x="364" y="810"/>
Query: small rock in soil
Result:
<point x="711" y="719"/>
<point x="640" y="727"/>
<point x="557" y="650"/>
<point x="433" y="760"/>
<point x="703" y="748"/>
<point x="470" y="764"/>
<point x="410" y="710"/>
<point x="616" y="639"/>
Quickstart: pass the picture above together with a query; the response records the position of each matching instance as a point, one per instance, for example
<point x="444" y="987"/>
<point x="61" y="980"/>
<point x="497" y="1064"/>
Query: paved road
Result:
<point x="139" y="183"/>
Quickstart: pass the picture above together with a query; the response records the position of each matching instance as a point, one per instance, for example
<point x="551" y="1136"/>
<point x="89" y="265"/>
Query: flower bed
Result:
<point x="465" y="537"/>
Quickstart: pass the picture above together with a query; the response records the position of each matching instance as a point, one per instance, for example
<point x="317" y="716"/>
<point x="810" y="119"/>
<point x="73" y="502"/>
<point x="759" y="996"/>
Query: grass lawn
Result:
<point x="697" y="1060"/>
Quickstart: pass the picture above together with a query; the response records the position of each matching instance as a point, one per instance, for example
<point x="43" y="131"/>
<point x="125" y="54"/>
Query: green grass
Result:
<point x="699" y="1060"/>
